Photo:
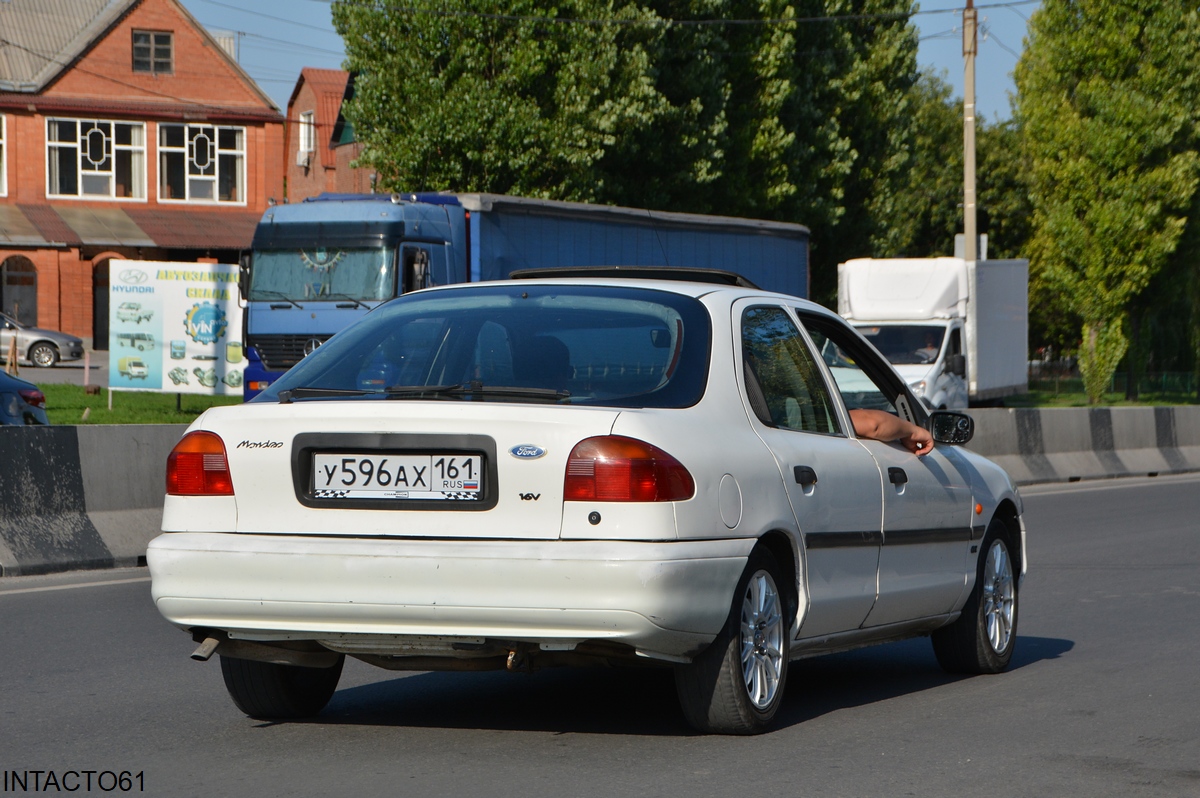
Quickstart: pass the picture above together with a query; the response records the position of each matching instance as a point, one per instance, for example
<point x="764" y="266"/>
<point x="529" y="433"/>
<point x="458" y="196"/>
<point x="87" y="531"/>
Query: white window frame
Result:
<point x="192" y="132"/>
<point x="3" y="157"/>
<point x="138" y="188"/>
<point x="308" y="131"/>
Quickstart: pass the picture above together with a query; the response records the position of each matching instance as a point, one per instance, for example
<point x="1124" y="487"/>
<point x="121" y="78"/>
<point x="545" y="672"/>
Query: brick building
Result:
<point x="126" y="131"/>
<point x="320" y="142"/>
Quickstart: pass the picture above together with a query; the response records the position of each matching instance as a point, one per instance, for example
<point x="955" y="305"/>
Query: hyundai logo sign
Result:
<point x="133" y="276"/>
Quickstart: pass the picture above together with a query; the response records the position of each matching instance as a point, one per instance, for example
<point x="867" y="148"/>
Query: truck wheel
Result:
<point x="984" y="636"/>
<point x="736" y="685"/>
<point x="267" y="691"/>
<point x="43" y="355"/>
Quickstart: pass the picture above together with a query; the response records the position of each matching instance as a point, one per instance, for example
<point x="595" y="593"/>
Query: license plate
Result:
<point x="440" y="477"/>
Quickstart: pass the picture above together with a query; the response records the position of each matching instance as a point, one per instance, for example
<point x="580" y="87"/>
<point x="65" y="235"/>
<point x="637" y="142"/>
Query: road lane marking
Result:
<point x="72" y="587"/>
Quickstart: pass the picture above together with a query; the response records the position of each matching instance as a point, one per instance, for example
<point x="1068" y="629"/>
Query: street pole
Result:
<point x="970" y="237"/>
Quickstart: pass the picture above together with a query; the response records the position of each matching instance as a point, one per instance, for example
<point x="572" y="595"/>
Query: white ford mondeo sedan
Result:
<point x="600" y="468"/>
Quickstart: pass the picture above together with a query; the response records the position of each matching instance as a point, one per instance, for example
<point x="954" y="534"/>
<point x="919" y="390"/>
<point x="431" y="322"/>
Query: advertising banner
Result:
<point x="174" y="327"/>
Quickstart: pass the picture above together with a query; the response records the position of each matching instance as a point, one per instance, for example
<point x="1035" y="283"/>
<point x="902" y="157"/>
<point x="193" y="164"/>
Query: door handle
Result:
<point x="805" y="476"/>
<point x="896" y="476"/>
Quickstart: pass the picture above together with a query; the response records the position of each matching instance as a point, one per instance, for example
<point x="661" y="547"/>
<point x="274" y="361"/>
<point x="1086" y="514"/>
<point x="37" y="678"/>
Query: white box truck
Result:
<point x="956" y="330"/>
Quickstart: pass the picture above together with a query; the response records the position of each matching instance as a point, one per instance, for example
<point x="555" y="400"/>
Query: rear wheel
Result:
<point x="268" y="691"/>
<point x="736" y="685"/>
<point x="43" y="354"/>
<point x="984" y="636"/>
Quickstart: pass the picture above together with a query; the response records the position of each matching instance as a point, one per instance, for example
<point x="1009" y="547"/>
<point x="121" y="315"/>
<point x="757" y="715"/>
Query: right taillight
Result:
<point x="613" y="468"/>
<point x="197" y="466"/>
<point x="33" y="396"/>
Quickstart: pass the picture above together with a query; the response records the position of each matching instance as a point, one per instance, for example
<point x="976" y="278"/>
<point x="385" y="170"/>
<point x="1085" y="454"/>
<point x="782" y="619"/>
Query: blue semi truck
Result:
<point x="316" y="266"/>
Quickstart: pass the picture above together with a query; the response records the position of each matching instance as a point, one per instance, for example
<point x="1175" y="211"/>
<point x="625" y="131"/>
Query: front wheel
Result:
<point x="43" y="355"/>
<point x="736" y="685"/>
<point x="984" y="636"/>
<point x="267" y="691"/>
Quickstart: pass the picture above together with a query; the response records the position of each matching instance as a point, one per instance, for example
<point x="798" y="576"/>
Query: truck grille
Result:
<point x="281" y="352"/>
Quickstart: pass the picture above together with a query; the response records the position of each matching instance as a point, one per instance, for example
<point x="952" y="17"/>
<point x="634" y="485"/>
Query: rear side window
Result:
<point x="784" y="386"/>
<point x="620" y="347"/>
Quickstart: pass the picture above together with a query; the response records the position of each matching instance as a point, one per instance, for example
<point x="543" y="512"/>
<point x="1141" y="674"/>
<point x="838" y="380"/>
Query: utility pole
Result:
<point x="970" y="237"/>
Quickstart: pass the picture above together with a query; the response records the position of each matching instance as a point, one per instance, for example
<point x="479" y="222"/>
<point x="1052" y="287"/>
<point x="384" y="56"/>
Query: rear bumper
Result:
<point x="666" y="600"/>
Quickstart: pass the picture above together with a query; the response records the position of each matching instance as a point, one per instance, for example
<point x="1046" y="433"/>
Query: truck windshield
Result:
<point x="906" y="344"/>
<point x="366" y="274"/>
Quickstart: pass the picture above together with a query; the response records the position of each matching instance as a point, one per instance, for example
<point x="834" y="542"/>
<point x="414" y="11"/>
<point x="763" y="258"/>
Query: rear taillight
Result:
<point x="197" y="466"/>
<point x="613" y="468"/>
<point x="33" y="396"/>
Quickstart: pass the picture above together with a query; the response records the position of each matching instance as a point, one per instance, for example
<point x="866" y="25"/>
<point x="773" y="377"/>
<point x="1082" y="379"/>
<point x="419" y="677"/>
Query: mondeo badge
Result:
<point x="527" y="451"/>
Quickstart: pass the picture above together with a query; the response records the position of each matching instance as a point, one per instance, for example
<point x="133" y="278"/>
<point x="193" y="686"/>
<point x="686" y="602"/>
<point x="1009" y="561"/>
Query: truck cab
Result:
<point x="317" y="266"/>
<point x="928" y="355"/>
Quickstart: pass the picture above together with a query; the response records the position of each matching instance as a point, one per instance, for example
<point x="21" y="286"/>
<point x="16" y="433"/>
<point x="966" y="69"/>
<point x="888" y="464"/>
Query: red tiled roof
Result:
<point x="183" y="228"/>
<point x="197" y="229"/>
<point x="140" y="110"/>
<point x="51" y="225"/>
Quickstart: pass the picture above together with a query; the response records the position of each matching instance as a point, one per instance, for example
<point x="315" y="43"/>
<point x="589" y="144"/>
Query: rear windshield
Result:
<point x="619" y="347"/>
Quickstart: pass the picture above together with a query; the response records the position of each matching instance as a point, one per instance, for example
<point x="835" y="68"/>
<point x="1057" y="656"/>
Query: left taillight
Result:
<point x="33" y="396"/>
<point x="613" y="468"/>
<point x="197" y="466"/>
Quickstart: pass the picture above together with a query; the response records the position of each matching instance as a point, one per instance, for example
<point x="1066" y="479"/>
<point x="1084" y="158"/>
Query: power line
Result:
<point x="329" y="30"/>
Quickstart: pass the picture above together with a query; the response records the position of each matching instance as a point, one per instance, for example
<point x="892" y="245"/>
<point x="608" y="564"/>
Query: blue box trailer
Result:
<point x="316" y="266"/>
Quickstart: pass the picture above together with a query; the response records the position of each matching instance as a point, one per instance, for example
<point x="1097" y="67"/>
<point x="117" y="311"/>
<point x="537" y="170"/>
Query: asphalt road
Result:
<point x="1103" y="698"/>
<point x="71" y="371"/>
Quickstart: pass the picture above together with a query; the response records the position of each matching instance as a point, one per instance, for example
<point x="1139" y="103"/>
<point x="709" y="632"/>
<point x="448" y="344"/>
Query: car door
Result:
<point x="927" y="501"/>
<point x="832" y="482"/>
<point x="8" y="330"/>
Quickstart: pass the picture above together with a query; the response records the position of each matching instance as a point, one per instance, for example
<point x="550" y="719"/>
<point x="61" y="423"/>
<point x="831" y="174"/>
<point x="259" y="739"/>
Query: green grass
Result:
<point x="66" y="405"/>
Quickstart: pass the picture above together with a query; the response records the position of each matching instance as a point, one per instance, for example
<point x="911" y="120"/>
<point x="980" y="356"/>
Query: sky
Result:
<point x="276" y="38"/>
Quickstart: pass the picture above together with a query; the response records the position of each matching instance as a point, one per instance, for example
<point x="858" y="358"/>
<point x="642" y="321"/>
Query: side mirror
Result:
<point x="243" y="278"/>
<point x="957" y="365"/>
<point x="946" y="426"/>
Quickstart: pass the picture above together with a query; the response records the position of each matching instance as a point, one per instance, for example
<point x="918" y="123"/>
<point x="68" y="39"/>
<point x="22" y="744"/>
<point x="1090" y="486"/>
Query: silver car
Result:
<point x="36" y="345"/>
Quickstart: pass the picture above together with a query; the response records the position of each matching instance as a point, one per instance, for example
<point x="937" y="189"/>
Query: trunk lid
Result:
<point x="272" y="453"/>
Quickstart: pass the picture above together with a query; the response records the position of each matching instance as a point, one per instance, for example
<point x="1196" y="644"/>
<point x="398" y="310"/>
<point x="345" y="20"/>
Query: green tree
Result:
<point x="667" y="104"/>
<point x="920" y="217"/>
<point x="1107" y="94"/>
<point x="484" y="95"/>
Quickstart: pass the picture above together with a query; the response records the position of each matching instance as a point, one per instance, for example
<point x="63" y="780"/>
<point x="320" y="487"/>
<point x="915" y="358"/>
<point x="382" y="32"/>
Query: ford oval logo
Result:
<point x="133" y="276"/>
<point x="527" y="451"/>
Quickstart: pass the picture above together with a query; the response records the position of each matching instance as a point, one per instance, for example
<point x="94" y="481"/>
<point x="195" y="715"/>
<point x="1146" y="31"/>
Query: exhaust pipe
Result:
<point x="206" y="649"/>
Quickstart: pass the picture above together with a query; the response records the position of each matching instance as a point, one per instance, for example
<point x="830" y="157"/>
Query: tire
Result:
<point x="736" y="685"/>
<point x="43" y="355"/>
<point x="984" y="636"/>
<point x="267" y="691"/>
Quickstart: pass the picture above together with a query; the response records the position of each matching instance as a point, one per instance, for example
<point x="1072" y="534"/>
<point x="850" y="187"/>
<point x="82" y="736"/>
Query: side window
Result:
<point x="862" y="381"/>
<point x="785" y="387"/>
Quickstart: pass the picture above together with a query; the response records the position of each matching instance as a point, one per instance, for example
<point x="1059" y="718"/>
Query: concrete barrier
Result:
<point x="1069" y="444"/>
<point x="91" y="497"/>
<point x="80" y="497"/>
